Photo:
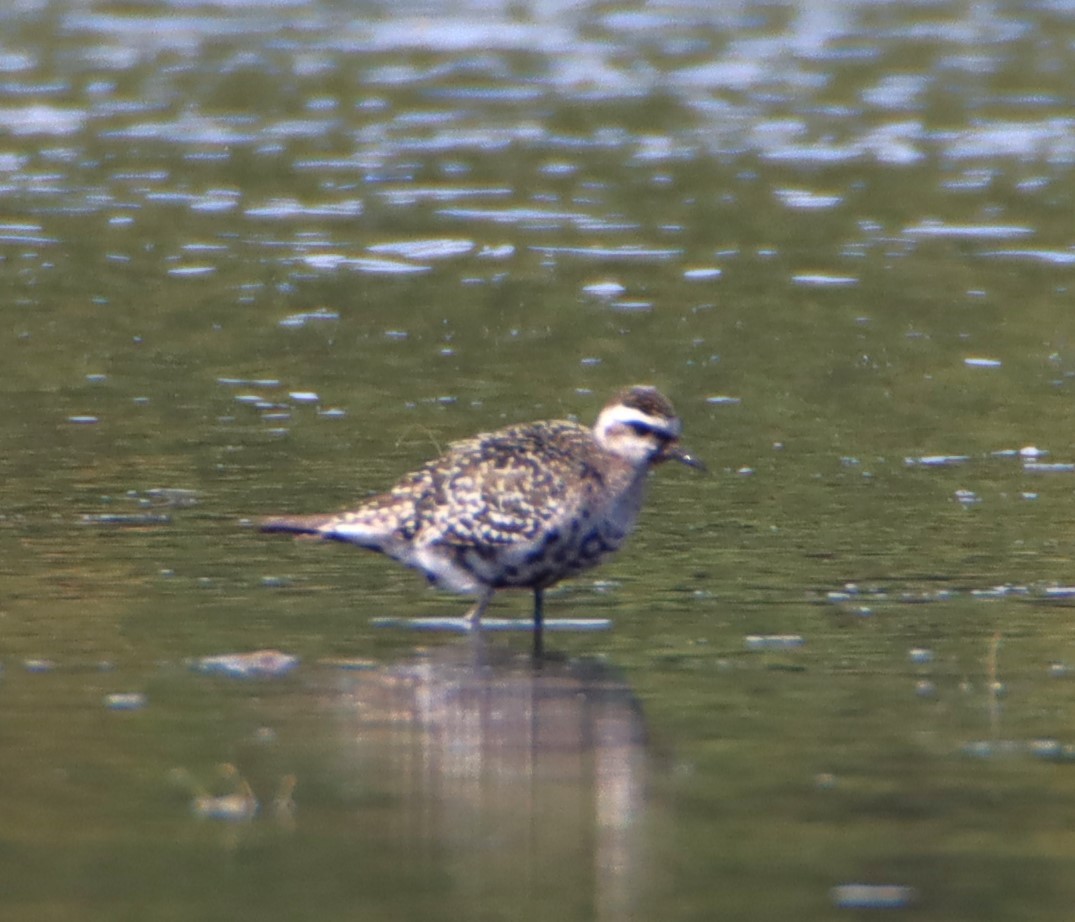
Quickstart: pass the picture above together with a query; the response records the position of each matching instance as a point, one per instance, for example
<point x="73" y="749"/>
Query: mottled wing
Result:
<point x="509" y="486"/>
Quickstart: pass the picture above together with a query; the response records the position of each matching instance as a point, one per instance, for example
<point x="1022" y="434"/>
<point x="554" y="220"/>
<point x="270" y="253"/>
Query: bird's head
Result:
<point x="641" y="426"/>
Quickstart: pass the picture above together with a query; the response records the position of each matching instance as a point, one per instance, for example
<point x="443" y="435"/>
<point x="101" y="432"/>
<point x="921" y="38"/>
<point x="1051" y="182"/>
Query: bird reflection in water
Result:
<point x="527" y="777"/>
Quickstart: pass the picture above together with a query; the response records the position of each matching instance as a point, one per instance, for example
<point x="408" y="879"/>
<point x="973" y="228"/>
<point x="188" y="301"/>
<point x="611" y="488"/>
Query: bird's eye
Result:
<point x="640" y="428"/>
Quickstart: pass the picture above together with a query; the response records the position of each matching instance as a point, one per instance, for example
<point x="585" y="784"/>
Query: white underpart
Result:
<point x="351" y="531"/>
<point x="433" y="562"/>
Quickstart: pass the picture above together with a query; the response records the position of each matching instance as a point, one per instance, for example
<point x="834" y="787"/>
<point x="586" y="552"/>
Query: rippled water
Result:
<point x="266" y="256"/>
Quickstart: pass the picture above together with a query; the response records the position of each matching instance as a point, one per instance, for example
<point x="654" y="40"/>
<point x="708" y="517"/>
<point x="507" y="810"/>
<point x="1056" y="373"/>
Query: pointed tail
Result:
<point x="346" y="527"/>
<point x="297" y="524"/>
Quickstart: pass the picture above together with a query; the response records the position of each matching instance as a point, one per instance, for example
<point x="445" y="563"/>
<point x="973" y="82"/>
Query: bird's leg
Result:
<point x="539" y="626"/>
<point x="473" y="618"/>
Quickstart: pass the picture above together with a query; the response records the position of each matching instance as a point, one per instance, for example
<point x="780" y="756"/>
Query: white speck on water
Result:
<point x="41" y="119"/>
<point x="125" y="701"/>
<point x="920" y="656"/>
<point x="704" y="274"/>
<point x="722" y="400"/>
<point x="249" y="382"/>
<point x="1039" y="467"/>
<point x="1050" y="257"/>
<point x="424" y="249"/>
<point x="936" y="460"/>
<point x="967" y="497"/>
<point x="366" y="265"/>
<point x="191" y="271"/>
<point x="627" y="253"/>
<point x="304" y="396"/>
<point x="803" y="199"/>
<point x="1049" y="749"/>
<point x="985" y="231"/>
<point x="977" y="362"/>
<point x="216" y="201"/>
<point x="607" y="289"/>
<point x="384" y="267"/>
<point x="82" y="420"/>
<point x="294" y="321"/>
<point x="289" y="208"/>
<point x="246" y="665"/>
<point x="325" y="260"/>
<point x="1060" y="592"/>
<point x="773" y="641"/>
<point x="823" y="280"/>
<point x="999" y="592"/>
<point x="502" y="251"/>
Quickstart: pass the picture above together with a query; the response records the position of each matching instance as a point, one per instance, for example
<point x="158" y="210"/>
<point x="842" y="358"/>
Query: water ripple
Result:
<point x="424" y="249"/>
<point x="984" y="231"/>
<point x="625" y="253"/>
<point x="333" y="261"/>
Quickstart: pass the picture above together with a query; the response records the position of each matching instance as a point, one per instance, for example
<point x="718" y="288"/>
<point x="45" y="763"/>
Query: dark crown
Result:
<point x="647" y="400"/>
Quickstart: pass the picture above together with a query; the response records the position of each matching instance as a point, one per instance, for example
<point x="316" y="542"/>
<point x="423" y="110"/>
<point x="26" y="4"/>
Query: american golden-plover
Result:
<point x="522" y="507"/>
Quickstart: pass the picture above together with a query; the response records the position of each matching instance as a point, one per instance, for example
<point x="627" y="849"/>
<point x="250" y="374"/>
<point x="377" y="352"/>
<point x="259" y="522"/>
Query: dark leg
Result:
<point x="539" y="616"/>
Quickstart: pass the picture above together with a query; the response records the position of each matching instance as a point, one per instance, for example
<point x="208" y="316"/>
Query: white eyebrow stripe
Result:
<point x="627" y="415"/>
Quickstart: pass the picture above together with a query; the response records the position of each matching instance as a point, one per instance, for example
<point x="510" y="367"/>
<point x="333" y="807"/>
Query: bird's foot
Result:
<point x="473" y="618"/>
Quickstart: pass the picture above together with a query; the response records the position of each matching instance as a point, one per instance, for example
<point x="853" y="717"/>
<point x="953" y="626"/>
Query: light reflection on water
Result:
<point x="546" y="762"/>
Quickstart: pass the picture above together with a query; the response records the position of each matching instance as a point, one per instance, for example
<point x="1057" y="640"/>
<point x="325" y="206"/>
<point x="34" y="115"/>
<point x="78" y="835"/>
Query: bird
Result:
<point x="522" y="507"/>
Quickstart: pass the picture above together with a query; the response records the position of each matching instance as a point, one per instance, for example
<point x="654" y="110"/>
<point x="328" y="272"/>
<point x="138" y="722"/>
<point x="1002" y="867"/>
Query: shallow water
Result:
<point x="264" y="257"/>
